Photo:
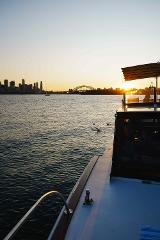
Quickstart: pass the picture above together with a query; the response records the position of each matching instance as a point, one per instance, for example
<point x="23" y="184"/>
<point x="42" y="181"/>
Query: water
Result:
<point x="45" y="144"/>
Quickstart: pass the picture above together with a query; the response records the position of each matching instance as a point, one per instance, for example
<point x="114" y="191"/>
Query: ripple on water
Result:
<point x="45" y="144"/>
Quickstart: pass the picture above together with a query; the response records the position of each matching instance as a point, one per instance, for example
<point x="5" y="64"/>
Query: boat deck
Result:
<point x="124" y="209"/>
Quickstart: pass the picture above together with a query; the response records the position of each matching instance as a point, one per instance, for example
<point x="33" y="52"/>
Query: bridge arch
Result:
<point x="83" y="88"/>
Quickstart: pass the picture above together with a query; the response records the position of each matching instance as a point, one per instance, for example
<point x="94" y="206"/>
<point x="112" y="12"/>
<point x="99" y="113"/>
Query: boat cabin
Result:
<point x="136" y="148"/>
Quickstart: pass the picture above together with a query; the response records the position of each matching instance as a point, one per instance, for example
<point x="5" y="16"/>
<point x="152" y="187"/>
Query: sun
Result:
<point x="127" y="86"/>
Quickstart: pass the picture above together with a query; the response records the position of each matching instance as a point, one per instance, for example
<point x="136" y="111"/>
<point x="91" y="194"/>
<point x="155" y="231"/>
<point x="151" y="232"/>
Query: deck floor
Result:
<point x="122" y="209"/>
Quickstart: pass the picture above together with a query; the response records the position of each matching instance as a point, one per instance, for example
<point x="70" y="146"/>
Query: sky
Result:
<point x="68" y="43"/>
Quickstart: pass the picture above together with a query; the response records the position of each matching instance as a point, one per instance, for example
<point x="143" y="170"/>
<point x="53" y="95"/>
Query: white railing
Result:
<point x="24" y="218"/>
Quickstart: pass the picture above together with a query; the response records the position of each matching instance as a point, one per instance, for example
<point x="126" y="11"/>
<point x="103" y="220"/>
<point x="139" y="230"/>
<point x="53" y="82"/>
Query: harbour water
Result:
<point x="45" y="144"/>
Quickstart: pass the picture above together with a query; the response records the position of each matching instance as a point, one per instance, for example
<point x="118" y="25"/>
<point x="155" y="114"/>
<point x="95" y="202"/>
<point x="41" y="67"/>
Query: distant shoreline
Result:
<point x="58" y="93"/>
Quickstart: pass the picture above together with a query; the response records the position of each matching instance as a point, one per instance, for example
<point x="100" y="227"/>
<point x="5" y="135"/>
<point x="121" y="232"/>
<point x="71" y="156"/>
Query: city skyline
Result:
<point x="10" y="87"/>
<point x="71" y="43"/>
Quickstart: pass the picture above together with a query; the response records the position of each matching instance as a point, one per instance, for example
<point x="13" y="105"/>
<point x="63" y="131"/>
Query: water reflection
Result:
<point x="45" y="143"/>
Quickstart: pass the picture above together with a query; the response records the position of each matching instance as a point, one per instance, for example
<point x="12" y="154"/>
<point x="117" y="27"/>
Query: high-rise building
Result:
<point x="23" y="82"/>
<point x="36" y="85"/>
<point x="41" y="86"/>
<point x="6" y="83"/>
<point x="23" y="85"/>
<point x="12" y="84"/>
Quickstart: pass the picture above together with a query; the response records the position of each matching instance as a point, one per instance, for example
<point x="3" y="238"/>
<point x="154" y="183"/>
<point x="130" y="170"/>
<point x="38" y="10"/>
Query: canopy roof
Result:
<point x="141" y="71"/>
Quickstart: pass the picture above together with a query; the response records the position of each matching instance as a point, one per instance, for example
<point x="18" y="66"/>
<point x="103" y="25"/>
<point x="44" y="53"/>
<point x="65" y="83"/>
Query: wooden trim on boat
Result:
<point x="59" y="230"/>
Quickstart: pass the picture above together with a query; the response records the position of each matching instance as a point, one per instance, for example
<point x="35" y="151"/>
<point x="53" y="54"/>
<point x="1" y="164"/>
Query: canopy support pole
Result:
<point x="156" y="88"/>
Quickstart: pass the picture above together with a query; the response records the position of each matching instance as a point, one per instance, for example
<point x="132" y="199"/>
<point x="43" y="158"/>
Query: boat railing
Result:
<point x="139" y="99"/>
<point x="25" y="217"/>
<point x="150" y="99"/>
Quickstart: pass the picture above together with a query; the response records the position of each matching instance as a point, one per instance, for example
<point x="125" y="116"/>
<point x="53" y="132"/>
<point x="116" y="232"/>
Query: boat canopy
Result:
<point x="141" y="71"/>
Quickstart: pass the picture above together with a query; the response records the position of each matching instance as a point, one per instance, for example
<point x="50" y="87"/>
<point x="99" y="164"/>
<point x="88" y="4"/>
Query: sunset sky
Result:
<point x="67" y="43"/>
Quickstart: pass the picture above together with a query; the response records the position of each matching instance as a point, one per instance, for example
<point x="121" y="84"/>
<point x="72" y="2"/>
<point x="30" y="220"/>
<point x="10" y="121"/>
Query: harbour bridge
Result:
<point x="83" y="88"/>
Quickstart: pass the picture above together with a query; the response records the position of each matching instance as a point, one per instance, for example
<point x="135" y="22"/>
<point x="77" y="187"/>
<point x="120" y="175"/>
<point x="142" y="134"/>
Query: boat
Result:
<point x="118" y="194"/>
<point x="47" y="93"/>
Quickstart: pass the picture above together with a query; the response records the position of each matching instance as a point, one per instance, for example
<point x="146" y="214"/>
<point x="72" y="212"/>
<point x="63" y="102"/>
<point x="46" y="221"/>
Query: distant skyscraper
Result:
<point x="12" y="84"/>
<point x="41" y="86"/>
<point x="23" y="85"/>
<point x="23" y="82"/>
<point x="6" y="83"/>
<point x="36" y="86"/>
